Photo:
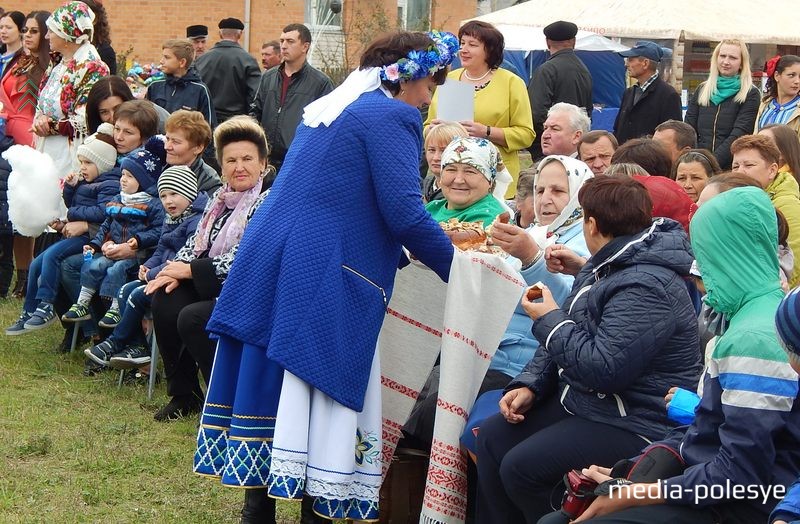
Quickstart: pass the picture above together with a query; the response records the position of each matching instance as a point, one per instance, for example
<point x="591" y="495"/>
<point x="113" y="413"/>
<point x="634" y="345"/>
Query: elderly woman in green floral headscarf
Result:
<point x="60" y="122"/>
<point x="469" y="168"/>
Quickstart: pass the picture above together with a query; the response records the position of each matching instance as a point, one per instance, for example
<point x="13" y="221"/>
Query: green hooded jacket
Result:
<point x="740" y="224"/>
<point x="746" y="426"/>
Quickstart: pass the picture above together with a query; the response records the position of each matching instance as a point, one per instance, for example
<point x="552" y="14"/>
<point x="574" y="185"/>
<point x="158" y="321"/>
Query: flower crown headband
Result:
<point x="421" y="63"/>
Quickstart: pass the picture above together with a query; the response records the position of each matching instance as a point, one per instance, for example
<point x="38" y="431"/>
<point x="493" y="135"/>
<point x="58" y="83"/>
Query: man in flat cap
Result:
<point x="562" y="78"/>
<point x="230" y="72"/>
<point x="198" y="34"/>
<point x="650" y="101"/>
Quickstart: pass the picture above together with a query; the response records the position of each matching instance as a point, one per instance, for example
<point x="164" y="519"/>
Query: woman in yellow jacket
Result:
<point x="758" y="157"/>
<point x="502" y="106"/>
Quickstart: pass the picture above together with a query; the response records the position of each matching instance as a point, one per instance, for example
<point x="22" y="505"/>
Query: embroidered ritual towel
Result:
<point x="472" y="312"/>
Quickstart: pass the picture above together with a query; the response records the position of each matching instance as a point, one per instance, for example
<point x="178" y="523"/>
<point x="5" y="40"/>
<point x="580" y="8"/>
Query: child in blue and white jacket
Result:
<point x="184" y="205"/>
<point x="134" y="217"/>
<point x="85" y="194"/>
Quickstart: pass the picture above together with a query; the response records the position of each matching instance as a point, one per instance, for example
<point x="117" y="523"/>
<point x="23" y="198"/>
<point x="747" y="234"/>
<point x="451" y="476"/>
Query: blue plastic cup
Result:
<point x="682" y="407"/>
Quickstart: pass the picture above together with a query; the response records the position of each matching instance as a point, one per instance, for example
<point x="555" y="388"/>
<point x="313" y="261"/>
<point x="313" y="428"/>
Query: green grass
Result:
<point x="77" y="449"/>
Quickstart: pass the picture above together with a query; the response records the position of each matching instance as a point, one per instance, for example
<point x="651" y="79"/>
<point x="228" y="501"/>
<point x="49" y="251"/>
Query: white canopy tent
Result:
<point x="526" y="38"/>
<point x="706" y="20"/>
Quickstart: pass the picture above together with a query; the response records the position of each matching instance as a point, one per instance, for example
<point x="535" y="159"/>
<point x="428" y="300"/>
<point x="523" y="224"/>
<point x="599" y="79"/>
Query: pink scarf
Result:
<point x="231" y="232"/>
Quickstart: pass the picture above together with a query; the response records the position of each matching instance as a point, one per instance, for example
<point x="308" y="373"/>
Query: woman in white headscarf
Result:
<point x="60" y="121"/>
<point x="556" y="184"/>
<point x="558" y="220"/>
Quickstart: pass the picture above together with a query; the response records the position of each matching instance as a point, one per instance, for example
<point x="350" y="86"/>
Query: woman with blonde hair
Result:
<point x="724" y="107"/>
<point x="436" y="140"/>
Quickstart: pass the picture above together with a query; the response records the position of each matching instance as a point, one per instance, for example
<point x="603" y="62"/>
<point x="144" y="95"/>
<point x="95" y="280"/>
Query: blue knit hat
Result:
<point x="146" y="163"/>
<point x="787" y="324"/>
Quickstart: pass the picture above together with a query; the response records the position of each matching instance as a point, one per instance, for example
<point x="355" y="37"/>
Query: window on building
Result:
<point x="414" y="15"/>
<point x="320" y="16"/>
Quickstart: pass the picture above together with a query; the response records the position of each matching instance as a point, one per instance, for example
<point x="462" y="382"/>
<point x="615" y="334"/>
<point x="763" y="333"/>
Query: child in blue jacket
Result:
<point x="181" y="87"/>
<point x="85" y="194"/>
<point x="787" y="324"/>
<point x="184" y="205"/>
<point x="134" y="217"/>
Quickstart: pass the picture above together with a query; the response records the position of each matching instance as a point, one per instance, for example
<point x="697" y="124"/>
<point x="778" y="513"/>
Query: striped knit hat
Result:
<point x="100" y="148"/>
<point x="180" y="179"/>
<point x="787" y="324"/>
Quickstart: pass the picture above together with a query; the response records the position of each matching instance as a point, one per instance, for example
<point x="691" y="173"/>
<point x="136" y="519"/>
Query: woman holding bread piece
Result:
<point x="625" y="333"/>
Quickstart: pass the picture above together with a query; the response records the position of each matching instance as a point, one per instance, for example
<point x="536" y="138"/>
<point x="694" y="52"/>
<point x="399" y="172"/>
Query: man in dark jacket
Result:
<point x="285" y="90"/>
<point x="649" y="102"/>
<point x="562" y="78"/>
<point x="229" y="71"/>
<point x="181" y="87"/>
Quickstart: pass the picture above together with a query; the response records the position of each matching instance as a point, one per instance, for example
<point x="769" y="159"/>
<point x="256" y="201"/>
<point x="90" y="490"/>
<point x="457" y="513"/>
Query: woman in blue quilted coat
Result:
<point x="595" y="387"/>
<point x="307" y="295"/>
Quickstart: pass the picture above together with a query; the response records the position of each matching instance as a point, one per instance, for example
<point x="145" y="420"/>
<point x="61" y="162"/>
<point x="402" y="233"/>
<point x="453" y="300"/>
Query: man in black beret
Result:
<point x="198" y="34"/>
<point x="230" y="72"/>
<point x="562" y="78"/>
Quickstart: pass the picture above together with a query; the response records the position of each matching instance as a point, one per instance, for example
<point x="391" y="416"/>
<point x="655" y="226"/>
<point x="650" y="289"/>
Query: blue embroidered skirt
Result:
<point x="321" y="447"/>
<point x="237" y="426"/>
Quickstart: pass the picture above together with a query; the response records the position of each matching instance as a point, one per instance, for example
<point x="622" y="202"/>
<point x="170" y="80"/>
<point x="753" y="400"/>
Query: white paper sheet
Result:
<point x="456" y="101"/>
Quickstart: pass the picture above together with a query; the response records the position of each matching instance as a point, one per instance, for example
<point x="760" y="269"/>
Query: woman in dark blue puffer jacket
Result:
<point x="595" y="388"/>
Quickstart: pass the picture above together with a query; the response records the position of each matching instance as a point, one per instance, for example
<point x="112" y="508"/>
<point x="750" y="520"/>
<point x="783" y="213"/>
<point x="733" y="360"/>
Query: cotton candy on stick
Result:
<point x="34" y="190"/>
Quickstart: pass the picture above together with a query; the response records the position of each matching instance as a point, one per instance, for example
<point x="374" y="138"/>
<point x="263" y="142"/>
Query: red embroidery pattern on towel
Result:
<point x="468" y="341"/>
<point x="495" y="269"/>
<point x="452" y="408"/>
<point x="415" y="323"/>
<point x="446" y="486"/>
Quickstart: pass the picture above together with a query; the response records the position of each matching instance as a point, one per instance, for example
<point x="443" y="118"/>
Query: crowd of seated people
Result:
<point x="660" y="273"/>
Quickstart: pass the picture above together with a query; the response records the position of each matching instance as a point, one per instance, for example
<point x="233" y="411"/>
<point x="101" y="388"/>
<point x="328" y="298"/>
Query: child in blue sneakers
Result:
<point x="183" y="204"/>
<point x="86" y="194"/>
<point x="134" y="217"/>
